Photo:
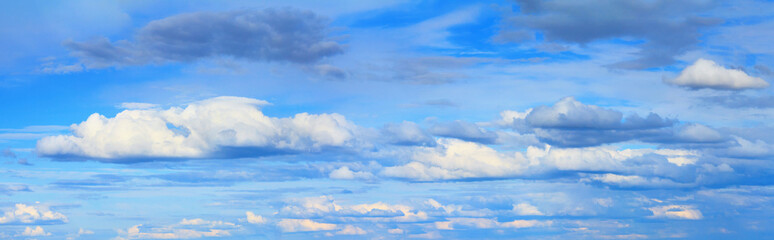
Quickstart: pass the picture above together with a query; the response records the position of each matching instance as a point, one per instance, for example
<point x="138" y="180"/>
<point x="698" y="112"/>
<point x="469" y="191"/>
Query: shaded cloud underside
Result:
<point x="285" y="35"/>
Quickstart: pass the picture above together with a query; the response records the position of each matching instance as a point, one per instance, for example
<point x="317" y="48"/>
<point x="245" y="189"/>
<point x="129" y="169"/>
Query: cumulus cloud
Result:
<point x="254" y="218"/>
<point x="286" y="35"/>
<point x="303" y="225"/>
<point x="345" y="173"/>
<point x="457" y="159"/>
<point x="37" y="231"/>
<point x="25" y="214"/>
<point x="708" y="74"/>
<point x="676" y="212"/>
<point x="667" y="28"/>
<point x="221" y="127"/>
<point x="526" y="209"/>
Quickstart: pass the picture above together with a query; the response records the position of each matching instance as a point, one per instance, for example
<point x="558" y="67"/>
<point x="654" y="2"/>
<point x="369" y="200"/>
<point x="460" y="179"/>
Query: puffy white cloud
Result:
<point x="526" y="209"/>
<point x="303" y="225"/>
<point x="395" y="231"/>
<point x="24" y="214"/>
<point x="345" y="173"/>
<point x="351" y="230"/>
<point x="456" y="159"/>
<point x="676" y="212"/>
<point x="216" y="127"/>
<point x="255" y="219"/>
<point x="708" y="74"/>
<point x="37" y="231"/>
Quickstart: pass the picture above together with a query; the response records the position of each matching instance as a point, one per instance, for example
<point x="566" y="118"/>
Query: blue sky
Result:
<point x="386" y="120"/>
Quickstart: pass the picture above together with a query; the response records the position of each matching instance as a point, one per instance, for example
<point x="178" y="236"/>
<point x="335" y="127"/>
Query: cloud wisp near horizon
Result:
<point x="386" y="120"/>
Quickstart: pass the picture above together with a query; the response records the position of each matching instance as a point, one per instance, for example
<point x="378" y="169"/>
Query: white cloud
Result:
<point x="303" y="225"/>
<point x="379" y="211"/>
<point x="676" y="212"/>
<point x="526" y="209"/>
<point x="177" y="231"/>
<point x="34" y="232"/>
<point x="255" y="219"/>
<point x="23" y="214"/>
<point x="345" y="173"/>
<point x="708" y="74"/>
<point x="351" y="230"/>
<point x="395" y="231"/>
<point x="82" y="231"/>
<point x="457" y="159"/>
<point x="207" y="128"/>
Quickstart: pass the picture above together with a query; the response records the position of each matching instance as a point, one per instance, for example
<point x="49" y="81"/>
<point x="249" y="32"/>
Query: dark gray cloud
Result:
<point x="668" y="28"/>
<point x="285" y="35"/>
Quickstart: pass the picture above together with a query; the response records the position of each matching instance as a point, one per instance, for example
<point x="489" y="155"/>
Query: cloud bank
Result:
<point x="222" y="127"/>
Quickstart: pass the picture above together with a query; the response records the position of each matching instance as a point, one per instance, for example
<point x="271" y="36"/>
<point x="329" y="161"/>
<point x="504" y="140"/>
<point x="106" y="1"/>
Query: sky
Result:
<point x="526" y="119"/>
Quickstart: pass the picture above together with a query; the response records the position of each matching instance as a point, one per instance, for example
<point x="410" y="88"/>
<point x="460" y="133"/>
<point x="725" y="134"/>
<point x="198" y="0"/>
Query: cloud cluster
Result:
<point x="285" y="35"/>
<point x="570" y="123"/>
<point x="668" y="28"/>
<point x="37" y="231"/>
<point x="25" y="214"/>
<point x="708" y="74"/>
<point x="185" y="229"/>
<point x="224" y="127"/>
<point x="456" y="159"/>
<point x="676" y="212"/>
